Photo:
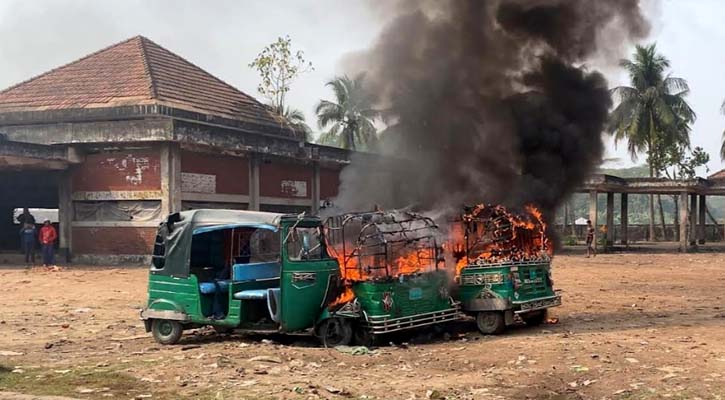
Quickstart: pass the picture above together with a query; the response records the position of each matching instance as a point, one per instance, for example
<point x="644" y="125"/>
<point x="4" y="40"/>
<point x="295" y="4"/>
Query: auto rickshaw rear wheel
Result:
<point x="534" y="318"/>
<point x="166" y="331"/>
<point x="490" y="322"/>
<point x="335" y="331"/>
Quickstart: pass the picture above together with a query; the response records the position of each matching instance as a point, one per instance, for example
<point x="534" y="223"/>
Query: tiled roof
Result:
<point x="134" y="72"/>
<point x="718" y="175"/>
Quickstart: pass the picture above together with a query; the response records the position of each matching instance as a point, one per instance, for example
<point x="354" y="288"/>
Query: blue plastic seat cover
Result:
<point x="254" y="294"/>
<point x="255" y="271"/>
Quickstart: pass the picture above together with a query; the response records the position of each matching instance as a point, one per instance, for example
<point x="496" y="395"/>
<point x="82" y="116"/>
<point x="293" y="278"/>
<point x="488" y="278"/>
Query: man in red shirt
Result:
<point x="47" y="237"/>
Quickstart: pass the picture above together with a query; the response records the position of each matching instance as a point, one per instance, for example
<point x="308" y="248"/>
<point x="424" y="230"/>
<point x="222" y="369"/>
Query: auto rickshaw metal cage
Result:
<point x="380" y="245"/>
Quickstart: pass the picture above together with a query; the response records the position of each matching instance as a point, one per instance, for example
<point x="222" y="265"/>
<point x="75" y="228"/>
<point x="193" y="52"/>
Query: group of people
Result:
<point x="30" y="236"/>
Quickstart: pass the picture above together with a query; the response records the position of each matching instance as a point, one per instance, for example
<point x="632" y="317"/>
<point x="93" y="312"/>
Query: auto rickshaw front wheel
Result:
<point x="335" y="331"/>
<point x="490" y="322"/>
<point x="166" y="331"/>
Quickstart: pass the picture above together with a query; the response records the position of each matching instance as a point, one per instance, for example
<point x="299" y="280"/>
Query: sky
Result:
<point x="43" y="34"/>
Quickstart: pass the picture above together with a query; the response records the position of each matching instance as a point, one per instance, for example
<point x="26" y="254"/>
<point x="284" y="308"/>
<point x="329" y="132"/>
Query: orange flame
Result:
<point x="498" y="235"/>
<point x="416" y="260"/>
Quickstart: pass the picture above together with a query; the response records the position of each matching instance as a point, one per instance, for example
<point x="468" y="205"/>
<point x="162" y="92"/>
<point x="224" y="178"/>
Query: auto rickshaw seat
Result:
<point x="255" y="271"/>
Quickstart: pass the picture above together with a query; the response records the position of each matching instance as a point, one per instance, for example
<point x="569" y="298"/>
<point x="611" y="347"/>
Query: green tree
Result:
<point x="652" y="114"/>
<point x="351" y="117"/>
<point x="278" y="66"/>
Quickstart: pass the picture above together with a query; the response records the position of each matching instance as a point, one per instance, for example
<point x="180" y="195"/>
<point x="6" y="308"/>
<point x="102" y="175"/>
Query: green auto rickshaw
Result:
<point x="247" y="270"/>
<point x="504" y="267"/>
<point x="394" y="274"/>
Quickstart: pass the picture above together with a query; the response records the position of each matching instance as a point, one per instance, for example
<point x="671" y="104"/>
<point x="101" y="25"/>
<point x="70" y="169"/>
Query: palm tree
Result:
<point x="295" y="119"/>
<point x="652" y="114"/>
<point x="351" y="117"/>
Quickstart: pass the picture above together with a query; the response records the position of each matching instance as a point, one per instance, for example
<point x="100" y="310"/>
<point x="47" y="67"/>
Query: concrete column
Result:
<point x="624" y="216"/>
<point x="593" y="215"/>
<point x="693" y="221"/>
<point x="315" y="188"/>
<point x="701" y="226"/>
<point x="65" y="215"/>
<point x="683" y="221"/>
<point x="253" y="182"/>
<point x="170" y="178"/>
<point x="610" y="219"/>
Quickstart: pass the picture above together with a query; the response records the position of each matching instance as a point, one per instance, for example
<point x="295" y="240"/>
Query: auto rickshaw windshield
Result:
<point x="305" y="243"/>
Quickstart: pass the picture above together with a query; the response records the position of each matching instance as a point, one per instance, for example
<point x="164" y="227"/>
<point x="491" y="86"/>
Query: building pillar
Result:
<point x="610" y="219"/>
<point x="593" y="215"/>
<point x="624" y="217"/>
<point x="65" y="215"/>
<point x="693" y="220"/>
<point x="683" y="221"/>
<point x="702" y="223"/>
<point x="315" y="188"/>
<point x="170" y="178"/>
<point x="253" y="183"/>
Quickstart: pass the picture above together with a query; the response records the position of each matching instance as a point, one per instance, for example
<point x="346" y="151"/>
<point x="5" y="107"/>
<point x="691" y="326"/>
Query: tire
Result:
<point x="166" y="331"/>
<point x="363" y="337"/>
<point x="223" y="330"/>
<point x="490" y="322"/>
<point x="335" y="331"/>
<point x="534" y="318"/>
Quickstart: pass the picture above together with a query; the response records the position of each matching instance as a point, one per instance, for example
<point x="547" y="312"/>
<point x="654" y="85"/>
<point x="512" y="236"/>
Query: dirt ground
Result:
<point x="632" y="326"/>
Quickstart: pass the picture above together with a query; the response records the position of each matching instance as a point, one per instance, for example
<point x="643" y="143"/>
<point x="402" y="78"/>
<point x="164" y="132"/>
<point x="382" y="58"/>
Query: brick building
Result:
<point x="121" y="137"/>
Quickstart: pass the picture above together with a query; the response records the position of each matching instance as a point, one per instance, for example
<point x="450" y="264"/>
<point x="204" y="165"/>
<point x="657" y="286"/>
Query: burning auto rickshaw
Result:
<point x="503" y="267"/>
<point x="255" y="271"/>
<point x="394" y="275"/>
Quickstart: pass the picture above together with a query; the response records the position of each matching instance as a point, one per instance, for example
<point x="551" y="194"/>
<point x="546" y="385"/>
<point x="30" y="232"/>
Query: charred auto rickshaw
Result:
<point x="394" y="274"/>
<point x="253" y="271"/>
<point x="503" y="267"/>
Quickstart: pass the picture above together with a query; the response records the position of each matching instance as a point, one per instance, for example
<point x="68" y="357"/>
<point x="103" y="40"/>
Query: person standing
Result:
<point x="590" y="240"/>
<point x="48" y="235"/>
<point x="26" y="217"/>
<point x="27" y="242"/>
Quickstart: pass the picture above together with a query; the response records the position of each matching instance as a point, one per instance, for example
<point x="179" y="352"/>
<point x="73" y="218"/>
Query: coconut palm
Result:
<point x="351" y="117"/>
<point x="652" y="114"/>
<point x="295" y="119"/>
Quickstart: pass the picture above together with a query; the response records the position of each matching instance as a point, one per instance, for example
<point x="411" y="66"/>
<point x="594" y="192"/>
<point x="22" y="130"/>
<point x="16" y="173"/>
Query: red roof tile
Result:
<point x="718" y="175"/>
<point x="135" y="71"/>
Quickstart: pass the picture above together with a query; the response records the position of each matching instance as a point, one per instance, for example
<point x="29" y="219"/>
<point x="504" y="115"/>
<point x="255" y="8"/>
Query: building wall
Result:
<point x="113" y="240"/>
<point x="229" y="174"/>
<point x="116" y="202"/>
<point x="329" y="183"/>
<point x="130" y="170"/>
<point x="115" y="182"/>
<point x="283" y="180"/>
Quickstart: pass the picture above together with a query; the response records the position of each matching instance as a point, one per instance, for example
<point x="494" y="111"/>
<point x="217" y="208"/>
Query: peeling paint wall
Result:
<point x="202" y="172"/>
<point x="129" y="170"/>
<point x="278" y="179"/>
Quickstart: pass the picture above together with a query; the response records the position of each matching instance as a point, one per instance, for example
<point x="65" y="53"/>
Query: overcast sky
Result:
<point x="39" y="35"/>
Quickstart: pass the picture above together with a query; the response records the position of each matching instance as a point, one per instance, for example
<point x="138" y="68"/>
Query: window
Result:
<point x="158" y="258"/>
<point x="305" y="244"/>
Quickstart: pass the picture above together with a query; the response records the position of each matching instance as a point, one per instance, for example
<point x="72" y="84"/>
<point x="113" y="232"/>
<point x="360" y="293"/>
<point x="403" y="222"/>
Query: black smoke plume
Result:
<point x="487" y="101"/>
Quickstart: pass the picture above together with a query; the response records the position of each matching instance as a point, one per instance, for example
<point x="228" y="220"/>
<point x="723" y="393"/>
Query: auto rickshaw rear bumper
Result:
<point x="537" y="304"/>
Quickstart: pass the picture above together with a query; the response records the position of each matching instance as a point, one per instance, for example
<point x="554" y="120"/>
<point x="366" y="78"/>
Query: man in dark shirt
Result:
<point x="26" y="217"/>
<point x="590" y="240"/>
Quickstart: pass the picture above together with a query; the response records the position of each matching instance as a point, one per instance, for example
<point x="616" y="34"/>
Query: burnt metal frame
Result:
<point x="384" y="218"/>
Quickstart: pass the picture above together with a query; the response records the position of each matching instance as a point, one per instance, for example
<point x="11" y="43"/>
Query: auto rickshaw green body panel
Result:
<point x="516" y="286"/>
<point x="286" y="293"/>
<point x="388" y="294"/>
